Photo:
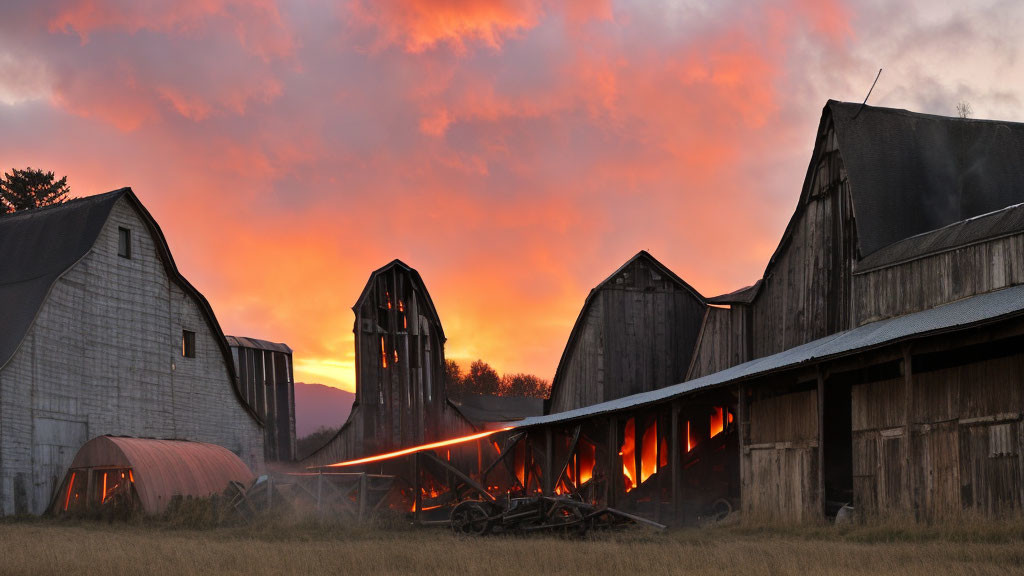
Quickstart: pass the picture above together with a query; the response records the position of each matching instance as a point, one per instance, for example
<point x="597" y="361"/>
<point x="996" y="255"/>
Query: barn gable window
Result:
<point x="188" y="344"/>
<point x="124" y="242"/>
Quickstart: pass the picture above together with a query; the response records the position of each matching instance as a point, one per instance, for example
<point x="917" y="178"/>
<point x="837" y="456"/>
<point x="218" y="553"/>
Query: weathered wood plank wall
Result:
<point x="927" y="282"/>
<point x="637" y="334"/>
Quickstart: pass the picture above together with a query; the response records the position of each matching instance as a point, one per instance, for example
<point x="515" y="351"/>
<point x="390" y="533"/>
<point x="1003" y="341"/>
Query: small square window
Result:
<point x="188" y="344"/>
<point x="124" y="243"/>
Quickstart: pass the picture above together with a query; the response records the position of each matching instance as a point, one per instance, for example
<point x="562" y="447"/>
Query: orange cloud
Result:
<point x="419" y="25"/>
<point x="514" y="177"/>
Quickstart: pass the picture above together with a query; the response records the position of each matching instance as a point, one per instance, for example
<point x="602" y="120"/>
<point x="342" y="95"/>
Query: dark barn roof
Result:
<point x="484" y="409"/>
<point x="741" y="296"/>
<point x="256" y="343"/>
<point x="911" y="173"/>
<point x="1005" y="222"/>
<point x="38" y="246"/>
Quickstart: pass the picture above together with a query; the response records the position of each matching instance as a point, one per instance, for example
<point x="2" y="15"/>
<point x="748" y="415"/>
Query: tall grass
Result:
<point x="311" y="545"/>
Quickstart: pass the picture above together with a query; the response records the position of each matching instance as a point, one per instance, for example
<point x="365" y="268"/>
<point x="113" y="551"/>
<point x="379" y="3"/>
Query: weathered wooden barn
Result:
<point x="266" y="381"/>
<point x="101" y="334"/>
<point x="879" y="361"/>
<point x="635" y="333"/>
<point x="401" y="397"/>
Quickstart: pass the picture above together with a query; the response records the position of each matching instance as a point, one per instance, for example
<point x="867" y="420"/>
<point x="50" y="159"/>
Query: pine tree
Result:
<point x="28" y="188"/>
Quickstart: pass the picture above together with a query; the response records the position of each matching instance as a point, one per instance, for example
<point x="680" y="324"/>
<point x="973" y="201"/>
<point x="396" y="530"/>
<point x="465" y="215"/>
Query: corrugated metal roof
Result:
<point x="1005" y="222"/>
<point x="959" y="314"/>
<point x="165" y="468"/>
<point x="246" y="342"/>
<point x="911" y="173"/>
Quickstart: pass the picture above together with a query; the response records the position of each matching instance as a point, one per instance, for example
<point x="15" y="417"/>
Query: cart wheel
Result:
<point x="566" y="516"/>
<point x="720" y="509"/>
<point x="470" y="517"/>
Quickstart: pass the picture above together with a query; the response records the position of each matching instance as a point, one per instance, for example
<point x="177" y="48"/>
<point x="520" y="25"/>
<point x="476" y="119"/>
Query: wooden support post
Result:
<point x="742" y="430"/>
<point x="614" y="472"/>
<point x="548" y="472"/>
<point x="362" y="497"/>
<point x="821" y="440"/>
<point x="675" y="461"/>
<point x="638" y="449"/>
<point x="908" y="429"/>
<point x="569" y="457"/>
<point x="417" y="492"/>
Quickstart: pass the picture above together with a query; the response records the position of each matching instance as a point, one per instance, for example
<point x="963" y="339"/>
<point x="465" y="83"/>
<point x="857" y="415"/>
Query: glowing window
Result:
<point x="188" y="344"/>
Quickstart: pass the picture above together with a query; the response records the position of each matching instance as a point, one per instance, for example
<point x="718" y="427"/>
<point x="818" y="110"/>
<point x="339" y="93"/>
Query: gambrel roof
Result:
<point x="38" y="246"/>
<point x="911" y="173"/>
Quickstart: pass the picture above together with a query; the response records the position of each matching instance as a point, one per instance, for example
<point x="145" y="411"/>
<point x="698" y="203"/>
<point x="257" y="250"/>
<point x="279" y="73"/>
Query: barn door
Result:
<point x="56" y="443"/>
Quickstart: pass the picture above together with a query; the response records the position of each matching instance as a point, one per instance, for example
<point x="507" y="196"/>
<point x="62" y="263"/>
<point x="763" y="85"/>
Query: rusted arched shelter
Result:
<point x="145" y="472"/>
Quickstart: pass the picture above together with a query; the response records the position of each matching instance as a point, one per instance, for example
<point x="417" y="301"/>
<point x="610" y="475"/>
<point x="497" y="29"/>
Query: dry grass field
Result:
<point x="83" y="548"/>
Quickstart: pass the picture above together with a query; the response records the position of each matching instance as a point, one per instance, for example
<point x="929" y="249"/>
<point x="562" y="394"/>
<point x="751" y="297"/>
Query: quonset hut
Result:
<point x="401" y="397"/>
<point x="101" y="334"/>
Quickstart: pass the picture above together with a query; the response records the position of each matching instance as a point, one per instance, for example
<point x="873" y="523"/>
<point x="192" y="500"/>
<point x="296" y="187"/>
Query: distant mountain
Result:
<point x="317" y="405"/>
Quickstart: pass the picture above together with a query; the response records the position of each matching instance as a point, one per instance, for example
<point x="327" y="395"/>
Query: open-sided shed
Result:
<point x="145" y="472"/>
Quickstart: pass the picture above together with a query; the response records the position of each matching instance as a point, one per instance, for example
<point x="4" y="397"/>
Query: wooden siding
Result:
<point x="965" y="433"/>
<point x="104" y="356"/>
<point x="723" y="341"/>
<point x="637" y="333"/>
<point x="780" y="463"/>
<point x="805" y="294"/>
<point x="940" y="278"/>
<point x="401" y="399"/>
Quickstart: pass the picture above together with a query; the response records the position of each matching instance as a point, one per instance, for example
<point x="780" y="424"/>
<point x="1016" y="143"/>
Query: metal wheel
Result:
<point x="720" y="509"/>
<point x="565" y="515"/>
<point x="470" y="517"/>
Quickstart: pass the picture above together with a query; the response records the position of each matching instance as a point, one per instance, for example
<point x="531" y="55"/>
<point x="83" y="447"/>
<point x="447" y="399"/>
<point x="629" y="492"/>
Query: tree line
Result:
<point x="481" y="378"/>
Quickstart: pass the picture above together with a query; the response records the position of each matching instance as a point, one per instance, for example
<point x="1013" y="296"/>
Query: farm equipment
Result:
<point x="536" y="514"/>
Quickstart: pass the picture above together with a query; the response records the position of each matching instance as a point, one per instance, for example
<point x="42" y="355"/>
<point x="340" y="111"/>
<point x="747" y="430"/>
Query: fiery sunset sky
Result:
<point x="514" y="152"/>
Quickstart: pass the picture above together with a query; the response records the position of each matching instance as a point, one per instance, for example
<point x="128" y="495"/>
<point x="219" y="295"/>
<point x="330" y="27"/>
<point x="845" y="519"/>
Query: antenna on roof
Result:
<point x="869" y="94"/>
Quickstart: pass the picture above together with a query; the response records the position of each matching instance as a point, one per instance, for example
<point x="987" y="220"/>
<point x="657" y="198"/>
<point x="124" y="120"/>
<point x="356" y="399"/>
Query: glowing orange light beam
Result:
<point x="419" y="448"/>
<point x="67" y="499"/>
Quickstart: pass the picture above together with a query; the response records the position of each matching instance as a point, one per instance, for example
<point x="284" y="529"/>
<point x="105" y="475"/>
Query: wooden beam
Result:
<point x="908" y="438"/>
<point x="509" y="446"/>
<point x="675" y="460"/>
<point x="418" y="499"/>
<point x="821" y="439"/>
<point x="741" y="430"/>
<point x="614" y="470"/>
<point x="547" y="472"/>
<point x="568" y="457"/>
<point x="459" y="474"/>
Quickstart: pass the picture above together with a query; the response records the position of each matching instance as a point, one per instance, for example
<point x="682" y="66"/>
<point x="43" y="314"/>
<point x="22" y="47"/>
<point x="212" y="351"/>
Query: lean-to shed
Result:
<point x="146" y="472"/>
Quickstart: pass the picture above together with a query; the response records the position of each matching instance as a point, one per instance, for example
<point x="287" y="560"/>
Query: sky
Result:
<point x="514" y="152"/>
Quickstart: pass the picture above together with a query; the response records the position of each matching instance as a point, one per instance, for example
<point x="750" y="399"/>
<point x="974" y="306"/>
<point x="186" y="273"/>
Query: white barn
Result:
<point x="100" y="334"/>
